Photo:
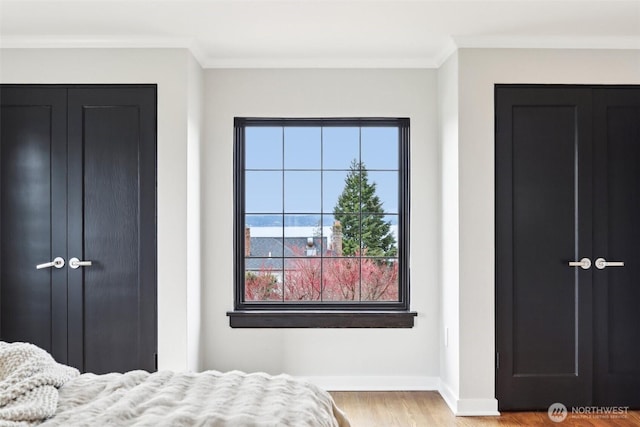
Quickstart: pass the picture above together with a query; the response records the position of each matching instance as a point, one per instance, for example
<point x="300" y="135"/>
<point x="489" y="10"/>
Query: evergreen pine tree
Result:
<point x="359" y="196"/>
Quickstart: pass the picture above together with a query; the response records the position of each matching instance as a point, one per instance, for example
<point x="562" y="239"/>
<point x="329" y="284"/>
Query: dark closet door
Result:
<point x="33" y="217"/>
<point x="543" y="221"/>
<point x="112" y="303"/>
<point x="80" y="183"/>
<point x="617" y="239"/>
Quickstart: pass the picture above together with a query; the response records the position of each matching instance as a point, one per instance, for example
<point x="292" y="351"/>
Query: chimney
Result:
<point x="311" y="250"/>
<point x="336" y="238"/>
<point x="247" y="241"/>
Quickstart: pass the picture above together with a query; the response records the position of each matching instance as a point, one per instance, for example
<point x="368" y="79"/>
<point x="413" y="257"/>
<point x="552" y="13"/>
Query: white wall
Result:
<point x="449" y="233"/>
<point x="479" y="70"/>
<point x="195" y="85"/>
<point x="167" y="68"/>
<point x="337" y="358"/>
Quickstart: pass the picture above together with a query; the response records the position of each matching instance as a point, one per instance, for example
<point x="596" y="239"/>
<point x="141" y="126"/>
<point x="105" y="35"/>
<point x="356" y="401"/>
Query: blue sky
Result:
<point x="270" y="149"/>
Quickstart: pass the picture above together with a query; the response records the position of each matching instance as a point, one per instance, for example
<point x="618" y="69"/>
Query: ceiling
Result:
<point x="320" y="33"/>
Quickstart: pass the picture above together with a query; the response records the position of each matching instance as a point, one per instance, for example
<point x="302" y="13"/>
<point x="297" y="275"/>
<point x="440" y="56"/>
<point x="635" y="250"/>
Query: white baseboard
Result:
<point x="449" y="397"/>
<point x="477" y="408"/>
<point x="459" y="407"/>
<point x="468" y="407"/>
<point x="386" y="383"/>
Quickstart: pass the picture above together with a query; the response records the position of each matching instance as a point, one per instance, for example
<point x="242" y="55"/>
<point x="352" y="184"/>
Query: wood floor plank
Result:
<point x="427" y="408"/>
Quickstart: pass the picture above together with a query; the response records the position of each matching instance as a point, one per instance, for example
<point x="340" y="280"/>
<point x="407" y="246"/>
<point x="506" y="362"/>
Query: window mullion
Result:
<point x="361" y="244"/>
<point x="284" y="219"/>
<point x="323" y="246"/>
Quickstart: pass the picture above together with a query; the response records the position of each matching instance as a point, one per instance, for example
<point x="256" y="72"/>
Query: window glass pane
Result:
<point x="331" y="236"/>
<point x="380" y="148"/>
<point x="379" y="279"/>
<point x="335" y="184"/>
<point x="302" y="279"/>
<point x="303" y="236"/>
<point x="378" y="238"/>
<point x="263" y="279"/>
<point x="263" y="147"/>
<point x="340" y="146"/>
<point x="302" y="192"/>
<point x="263" y="244"/>
<point x="300" y="247"/>
<point x="263" y="192"/>
<point x="263" y="236"/>
<point x="302" y="148"/>
<point x="386" y="188"/>
<point x="343" y="236"/>
<point x="341" y="279"/>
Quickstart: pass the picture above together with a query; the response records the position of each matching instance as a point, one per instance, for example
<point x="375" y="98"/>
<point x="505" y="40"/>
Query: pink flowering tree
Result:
<point x="262" y="285"/>
<point x="326" y="279"/>
<point x="302" y="279"/>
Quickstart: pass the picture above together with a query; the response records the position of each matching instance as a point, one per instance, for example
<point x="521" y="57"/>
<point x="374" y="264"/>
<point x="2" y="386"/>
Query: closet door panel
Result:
<point x="33" y="217"/>
<point x="617" y="237"/>
<point x="543" y="221"/>
<point x="112" y="206"/>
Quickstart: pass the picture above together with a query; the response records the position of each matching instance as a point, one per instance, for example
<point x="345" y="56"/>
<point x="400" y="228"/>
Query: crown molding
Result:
<point x="447" y="50"/>
<point x="108" y="42"/>
<point x="206" y="61"/>
<point x="547" y="42"/>
<point x="318" y="62"/>
<point x="141" y="42"/>
<point x="91" y="41"/>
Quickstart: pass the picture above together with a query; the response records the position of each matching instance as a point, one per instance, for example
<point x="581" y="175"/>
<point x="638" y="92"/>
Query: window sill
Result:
<point x="321" y="319"/>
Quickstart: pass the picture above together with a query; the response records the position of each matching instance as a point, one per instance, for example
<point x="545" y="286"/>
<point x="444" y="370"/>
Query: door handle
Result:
<point x="584" y="263"/>
<point x="58" y="262"/>
<point x="75" y="263"/>
<point x="602" y="263"/>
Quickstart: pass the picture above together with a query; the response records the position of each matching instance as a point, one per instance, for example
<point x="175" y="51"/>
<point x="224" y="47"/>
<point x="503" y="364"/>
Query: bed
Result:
<point x="35" y="390"/>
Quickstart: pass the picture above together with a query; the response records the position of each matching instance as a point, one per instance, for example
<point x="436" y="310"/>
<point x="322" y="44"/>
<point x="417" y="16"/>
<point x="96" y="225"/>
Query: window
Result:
<point x="321" y="223"/>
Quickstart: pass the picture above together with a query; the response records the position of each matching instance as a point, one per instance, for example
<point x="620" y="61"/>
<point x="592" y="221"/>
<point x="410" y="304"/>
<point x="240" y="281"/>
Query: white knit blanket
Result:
<point x="210" y="398"/>
<point x="29" y="378"/>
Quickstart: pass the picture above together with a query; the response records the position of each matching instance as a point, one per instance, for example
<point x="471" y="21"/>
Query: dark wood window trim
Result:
<point x="321" y="319"/>
<point x="386" y="314"/>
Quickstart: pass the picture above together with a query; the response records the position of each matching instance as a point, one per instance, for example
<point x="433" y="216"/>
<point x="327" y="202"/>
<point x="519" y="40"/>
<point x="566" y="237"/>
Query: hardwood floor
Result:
<point x="426" y="408"/>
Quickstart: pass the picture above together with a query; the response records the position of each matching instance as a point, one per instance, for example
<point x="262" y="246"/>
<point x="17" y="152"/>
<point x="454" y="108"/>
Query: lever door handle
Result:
<point x="58" y="262"/>
<point x="75" y="263"/>
<point x="602" y="263"/>
<point x="584" y="263"/>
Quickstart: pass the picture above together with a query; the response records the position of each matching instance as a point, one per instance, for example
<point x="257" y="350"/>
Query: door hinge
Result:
<point x="497" y="360"/>
<point x="155" y="361"/>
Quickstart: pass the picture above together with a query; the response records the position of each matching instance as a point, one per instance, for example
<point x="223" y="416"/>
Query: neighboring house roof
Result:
<point x="265" y="252"/>
<point x="292" y="246"/>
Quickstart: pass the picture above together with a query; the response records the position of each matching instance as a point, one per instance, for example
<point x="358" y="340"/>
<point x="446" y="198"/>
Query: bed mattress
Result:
<point x="210" y="398"/>
<point x="36" y="390"/>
